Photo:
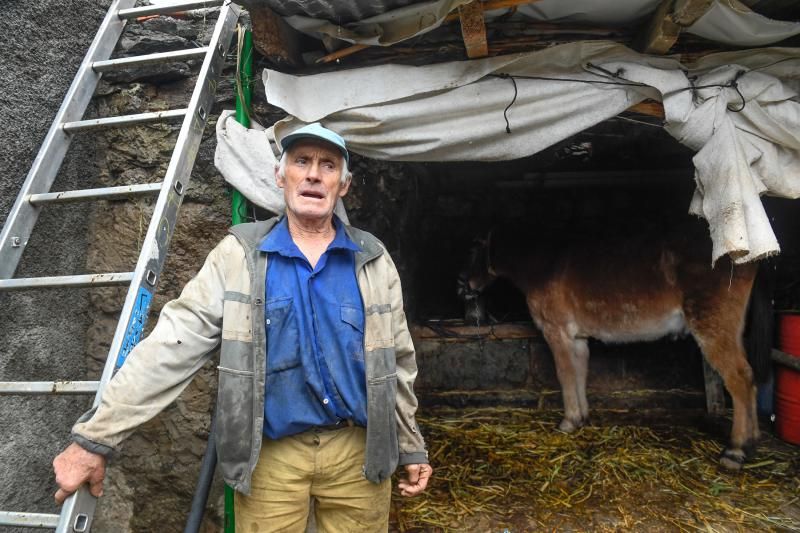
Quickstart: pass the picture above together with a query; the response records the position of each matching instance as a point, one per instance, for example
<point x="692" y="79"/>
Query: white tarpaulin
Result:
<point x="726" y="21"/>
<point x="731" y="22"/>
<point x="455" y="112"/>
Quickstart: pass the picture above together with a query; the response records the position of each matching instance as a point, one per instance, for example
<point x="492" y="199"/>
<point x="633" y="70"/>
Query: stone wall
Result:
<point x="152" y="479"/>
<point x="41" y="332"/>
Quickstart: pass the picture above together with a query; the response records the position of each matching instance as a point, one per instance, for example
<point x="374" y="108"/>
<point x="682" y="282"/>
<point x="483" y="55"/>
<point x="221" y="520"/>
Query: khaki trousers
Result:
<point x="324" y="464"/>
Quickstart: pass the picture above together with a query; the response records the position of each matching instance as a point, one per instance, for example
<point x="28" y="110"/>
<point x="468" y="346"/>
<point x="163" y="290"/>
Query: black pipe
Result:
<point x="203" y="483"/>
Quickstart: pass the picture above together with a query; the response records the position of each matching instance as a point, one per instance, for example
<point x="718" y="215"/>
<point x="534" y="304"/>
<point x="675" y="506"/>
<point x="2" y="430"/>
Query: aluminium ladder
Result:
<point x="78" y="510"/>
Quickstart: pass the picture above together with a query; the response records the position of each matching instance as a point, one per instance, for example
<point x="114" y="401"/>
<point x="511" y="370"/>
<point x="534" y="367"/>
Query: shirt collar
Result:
<point x="279" y="240"/>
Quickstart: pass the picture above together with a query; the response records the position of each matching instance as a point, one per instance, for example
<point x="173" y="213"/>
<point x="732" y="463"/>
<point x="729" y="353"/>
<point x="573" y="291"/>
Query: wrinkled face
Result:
<point x="476" y="274"/>
<point x="311" y="180"/>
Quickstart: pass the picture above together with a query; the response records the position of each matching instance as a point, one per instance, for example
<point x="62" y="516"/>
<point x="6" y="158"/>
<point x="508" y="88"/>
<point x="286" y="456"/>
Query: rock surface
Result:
<point x="41" y="332"/>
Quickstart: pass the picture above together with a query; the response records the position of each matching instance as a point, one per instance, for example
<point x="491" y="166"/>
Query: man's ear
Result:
<point x="279" y="179"/>
<point x="346" y="187"/>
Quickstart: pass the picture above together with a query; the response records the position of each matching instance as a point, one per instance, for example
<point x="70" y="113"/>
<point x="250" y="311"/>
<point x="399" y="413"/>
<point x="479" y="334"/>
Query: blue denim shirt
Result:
<point x="314" y="321"/>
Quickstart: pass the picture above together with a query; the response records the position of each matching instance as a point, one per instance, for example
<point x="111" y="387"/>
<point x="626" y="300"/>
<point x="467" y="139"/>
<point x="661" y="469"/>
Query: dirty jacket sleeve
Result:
<point x="411" y="443"/>
<point x="160" y="367"/>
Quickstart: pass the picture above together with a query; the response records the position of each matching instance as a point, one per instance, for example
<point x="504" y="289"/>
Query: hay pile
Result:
<point x="497" y="469"/>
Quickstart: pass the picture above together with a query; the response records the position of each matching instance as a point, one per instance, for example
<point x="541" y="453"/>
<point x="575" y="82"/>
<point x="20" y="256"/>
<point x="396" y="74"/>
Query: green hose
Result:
<point x="244" y="91"/>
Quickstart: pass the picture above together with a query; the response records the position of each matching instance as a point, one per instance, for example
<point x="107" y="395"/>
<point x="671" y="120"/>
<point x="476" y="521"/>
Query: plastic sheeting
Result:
<point x="732" y="23"/>
<point x="726" y="21"/>
<point x="455" y="112"/>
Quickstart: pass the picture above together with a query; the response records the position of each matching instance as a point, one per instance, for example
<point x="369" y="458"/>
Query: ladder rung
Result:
<point x="48" y="387"/>
<point x="82" y="280"/>
<point x="124" y="120"/>
<point x="110" y="64"/>
<point x="122" y="191"/>
<point x="42" y="520"/>
<point x="162" y="9"/>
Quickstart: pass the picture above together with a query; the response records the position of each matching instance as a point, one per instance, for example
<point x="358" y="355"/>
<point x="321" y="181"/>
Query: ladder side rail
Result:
<point x="159" y="232"/>
<point x="154" y="249"/>
<point x="23" y="216"/>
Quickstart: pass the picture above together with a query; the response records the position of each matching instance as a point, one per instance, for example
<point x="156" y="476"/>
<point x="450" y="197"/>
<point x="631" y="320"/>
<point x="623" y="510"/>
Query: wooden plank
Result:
<point x="686" y="12"/>
<point x="653" y="109"/>
<point x="456" y="332"/>
<point x="489" y="5"/>
<point x="661" y="32"/>
<point x="344" y="52"/>
<point x="473" y="29"/>
<point x="485" y="6"/>
<point x="274" y="38"/>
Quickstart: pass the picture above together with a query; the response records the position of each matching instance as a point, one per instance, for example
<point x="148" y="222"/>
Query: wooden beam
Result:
<point x="462" y="333"/>
<point x="473" y="29"/>
<point x="686" y="12"/>
<point x="489" y="5"/>
<point x="653" y="109"/>
<point x="274" y="38"/>
<point x="661" y="32"/>
<point x="344" y="52"/>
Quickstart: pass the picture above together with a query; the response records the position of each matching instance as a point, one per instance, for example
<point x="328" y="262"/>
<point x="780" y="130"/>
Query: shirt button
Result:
<point x="325" y="401"/>
<point x="268" y="321"/>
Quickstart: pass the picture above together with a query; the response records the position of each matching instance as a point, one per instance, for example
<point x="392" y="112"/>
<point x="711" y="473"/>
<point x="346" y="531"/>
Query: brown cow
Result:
<point x="624" y="289"/>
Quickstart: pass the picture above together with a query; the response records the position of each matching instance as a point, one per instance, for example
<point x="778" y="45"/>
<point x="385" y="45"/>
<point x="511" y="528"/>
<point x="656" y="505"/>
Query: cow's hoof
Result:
<point x="570" y="426"/>
<point x="732" y="459"/>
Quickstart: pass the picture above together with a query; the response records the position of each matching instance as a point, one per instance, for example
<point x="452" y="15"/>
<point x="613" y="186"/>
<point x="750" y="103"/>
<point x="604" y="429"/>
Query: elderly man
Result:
<point x="316" y="367"/>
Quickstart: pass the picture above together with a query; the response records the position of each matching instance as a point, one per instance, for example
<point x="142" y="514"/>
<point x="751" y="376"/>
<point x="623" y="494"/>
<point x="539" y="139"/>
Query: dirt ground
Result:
<point x="509" y="470"/>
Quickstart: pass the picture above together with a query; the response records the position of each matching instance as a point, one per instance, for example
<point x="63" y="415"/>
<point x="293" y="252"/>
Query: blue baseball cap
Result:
<point x="316" y="131"/>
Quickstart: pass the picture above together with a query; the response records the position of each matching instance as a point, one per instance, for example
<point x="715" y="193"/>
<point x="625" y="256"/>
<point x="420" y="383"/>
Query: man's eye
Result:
<point x="300" y="160"/>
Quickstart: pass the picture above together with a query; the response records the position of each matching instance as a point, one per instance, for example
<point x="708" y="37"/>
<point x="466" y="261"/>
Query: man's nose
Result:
<point x="313" y="173"/>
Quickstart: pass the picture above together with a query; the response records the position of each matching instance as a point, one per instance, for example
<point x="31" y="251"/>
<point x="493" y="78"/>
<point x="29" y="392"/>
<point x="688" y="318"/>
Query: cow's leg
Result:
<point x="581" y="362"/>
<point x="571" y="375"/>
<point x="724" y="351"/>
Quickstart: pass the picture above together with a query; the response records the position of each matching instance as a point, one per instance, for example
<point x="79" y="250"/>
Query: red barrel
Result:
<point x="789" y="334"/>
<point x="787" y="382"/>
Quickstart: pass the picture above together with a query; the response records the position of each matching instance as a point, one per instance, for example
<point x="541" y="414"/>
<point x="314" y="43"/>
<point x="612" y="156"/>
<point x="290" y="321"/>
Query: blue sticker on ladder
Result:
<point x="136" y="324"/>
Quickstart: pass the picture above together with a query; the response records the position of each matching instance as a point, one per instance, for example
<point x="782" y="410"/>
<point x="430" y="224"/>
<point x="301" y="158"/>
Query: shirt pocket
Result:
<point x="283" y="337"/>
<point x="236" y="321"/>
<point x="378" y="330"/>
<point x="353" y="331"/>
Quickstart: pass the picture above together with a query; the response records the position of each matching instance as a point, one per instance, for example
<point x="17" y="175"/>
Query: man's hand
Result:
<point x="417" y="480"/>
<point x="76" y="466"/>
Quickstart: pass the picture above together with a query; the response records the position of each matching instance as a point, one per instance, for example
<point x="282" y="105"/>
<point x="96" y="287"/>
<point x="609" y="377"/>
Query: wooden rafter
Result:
<point x="274" y="38"/>
<point x="662" y="31"/>
<point x="687" y="12"/>
<point x="487" y="5"/>
<point x="665" y="26"/>
<point x="473" y="29"/>
<point x="650" y="108"/>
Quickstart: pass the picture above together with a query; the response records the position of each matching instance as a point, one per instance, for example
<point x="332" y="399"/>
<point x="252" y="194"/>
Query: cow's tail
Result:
<point x="761" y="321"/>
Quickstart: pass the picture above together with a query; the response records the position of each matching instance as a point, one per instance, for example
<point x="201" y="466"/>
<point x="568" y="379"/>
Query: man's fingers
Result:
<point x="413" y="473"/>
<point x="96" y="488"/>
<point x="75" y="466"/>
<point x="61" y="495"/>
<point x="418" y="476"/>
